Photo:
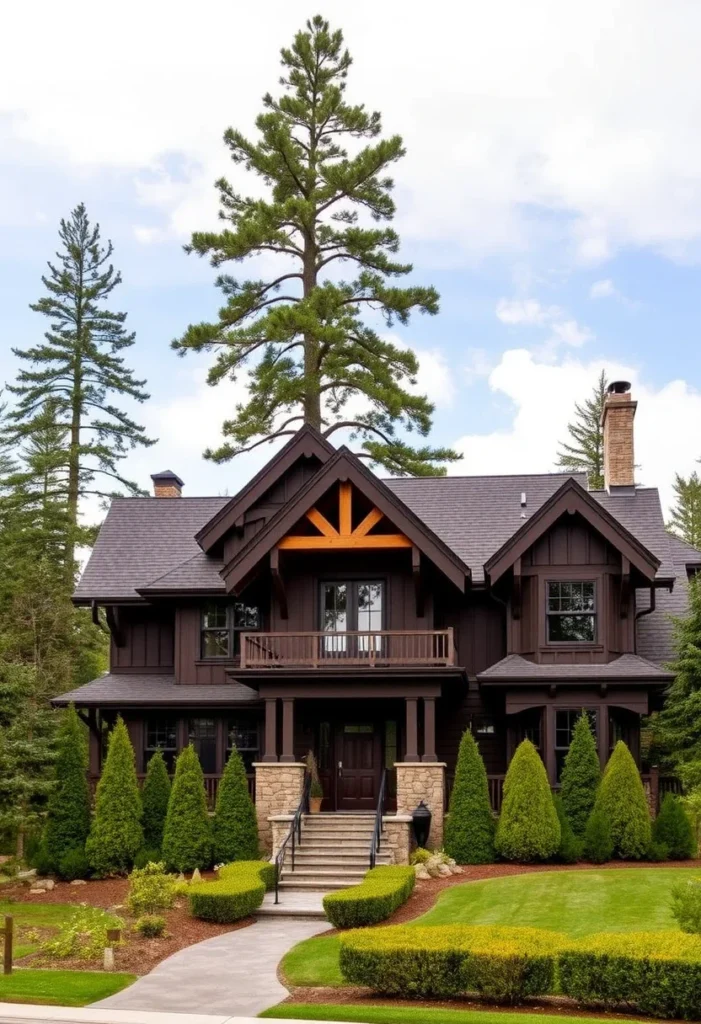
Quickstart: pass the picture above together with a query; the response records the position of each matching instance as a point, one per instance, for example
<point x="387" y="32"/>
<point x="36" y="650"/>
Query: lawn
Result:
<point x="30" y="916"/>
<point x="575" y="902"/>
<point x="415" y="1015"/>
<point x="61" y="988"/>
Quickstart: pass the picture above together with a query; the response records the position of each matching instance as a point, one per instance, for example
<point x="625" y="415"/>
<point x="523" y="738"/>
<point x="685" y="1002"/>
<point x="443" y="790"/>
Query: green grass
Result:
<point x="61" y="988"/>
<point x="575" y="902"/>
<point x="415" y="1015"/>
<point x="33" y="915"/>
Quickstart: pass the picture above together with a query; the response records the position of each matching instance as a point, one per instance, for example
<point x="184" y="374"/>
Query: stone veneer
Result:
<point x="423" y="780"/>
<point x="278" y="791"/>
<point x="397" y="837"/>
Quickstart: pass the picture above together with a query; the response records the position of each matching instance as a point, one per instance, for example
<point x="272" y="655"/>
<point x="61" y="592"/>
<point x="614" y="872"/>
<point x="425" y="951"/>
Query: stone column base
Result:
<point x="279" y="827"/>
<point x="423" y="781"/>
<point x="278" y="791"/>
<point x="396" y="837"/>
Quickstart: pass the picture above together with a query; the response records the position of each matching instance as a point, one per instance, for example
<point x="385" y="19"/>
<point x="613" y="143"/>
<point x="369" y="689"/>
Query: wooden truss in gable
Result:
<point x="345" y="536"/>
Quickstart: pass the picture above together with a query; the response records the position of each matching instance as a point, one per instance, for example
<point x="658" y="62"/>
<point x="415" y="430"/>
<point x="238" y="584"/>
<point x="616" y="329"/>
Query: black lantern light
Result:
<point x="421" y="820"/>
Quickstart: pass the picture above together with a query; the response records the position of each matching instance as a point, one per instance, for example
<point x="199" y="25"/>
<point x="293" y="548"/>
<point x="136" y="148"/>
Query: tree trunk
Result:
<point x="312" y="383"/>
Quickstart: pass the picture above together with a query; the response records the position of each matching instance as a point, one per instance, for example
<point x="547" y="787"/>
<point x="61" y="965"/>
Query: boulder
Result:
<point x="78" y="881"/>
<point x="196" y="876"/>
<point x="43" y="884"/>
<point x="433" y="866"/>
<point x="24" y="875"/>
<point x="444" y="871"/>
<point x="421" y="872"/>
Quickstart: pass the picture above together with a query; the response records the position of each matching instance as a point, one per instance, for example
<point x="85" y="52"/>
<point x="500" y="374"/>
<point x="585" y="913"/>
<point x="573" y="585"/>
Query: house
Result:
<point x="373" y="621"/>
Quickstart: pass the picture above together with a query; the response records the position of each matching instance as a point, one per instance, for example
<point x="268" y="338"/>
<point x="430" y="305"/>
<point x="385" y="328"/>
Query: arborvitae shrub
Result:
<point x="598" y="842"/>
<point x="235" y="824"/>
<point x="570" y="849"/>
<point x="68" y="818"/>
<point x="528" y="828"/>
<point x="187" y="837"/>
<point x="154" y="798"/>
<point x="116" y="835"/>
<point x="581" y="775"/>
<point x="672" y="829"/>
<point x="469" y="833"/>
<point x="621" y="798"/>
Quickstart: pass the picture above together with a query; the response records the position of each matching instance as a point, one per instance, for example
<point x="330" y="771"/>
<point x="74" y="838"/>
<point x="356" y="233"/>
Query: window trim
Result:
<point x="594" y="614"/>
<point x="352" y="583"/>
<point x="231" y="629"/>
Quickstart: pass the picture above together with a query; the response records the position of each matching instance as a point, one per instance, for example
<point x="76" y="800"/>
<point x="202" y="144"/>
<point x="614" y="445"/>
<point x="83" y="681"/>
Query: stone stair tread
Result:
<point x="312" y="886"/>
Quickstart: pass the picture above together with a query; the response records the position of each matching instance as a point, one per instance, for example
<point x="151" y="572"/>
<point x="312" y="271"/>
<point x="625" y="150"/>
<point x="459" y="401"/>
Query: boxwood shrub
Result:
<point x="657" y="972"/>
<point x="505" y="964"/>
<point x="237" y="892"/>
<point x="377" y="897"/>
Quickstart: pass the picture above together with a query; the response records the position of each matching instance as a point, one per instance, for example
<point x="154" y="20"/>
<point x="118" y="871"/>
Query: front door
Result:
<point x="359" y="752"/>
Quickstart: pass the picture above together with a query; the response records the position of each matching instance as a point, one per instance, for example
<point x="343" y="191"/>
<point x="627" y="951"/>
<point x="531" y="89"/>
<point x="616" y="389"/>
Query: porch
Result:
<point x="334" y="649"/>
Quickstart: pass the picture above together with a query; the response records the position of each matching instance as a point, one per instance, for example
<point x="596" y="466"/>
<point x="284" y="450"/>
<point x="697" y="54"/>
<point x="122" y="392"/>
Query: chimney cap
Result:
<point x="619" y="387"/>
<point x="167" y="476"/>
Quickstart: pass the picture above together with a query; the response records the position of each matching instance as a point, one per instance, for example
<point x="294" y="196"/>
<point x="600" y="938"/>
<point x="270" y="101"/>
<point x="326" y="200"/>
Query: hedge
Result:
<point x="237" y="892"/>
<point x="379" y="894"/>
<point x="658" y="972"/>
<point x="502" y="963"/>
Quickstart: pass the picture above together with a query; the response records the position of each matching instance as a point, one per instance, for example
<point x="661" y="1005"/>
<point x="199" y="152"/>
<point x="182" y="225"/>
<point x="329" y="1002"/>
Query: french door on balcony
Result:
<point x="352" y="607"/>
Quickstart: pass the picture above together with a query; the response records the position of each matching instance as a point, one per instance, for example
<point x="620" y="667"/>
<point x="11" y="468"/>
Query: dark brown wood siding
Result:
<point x="147" y="641"/>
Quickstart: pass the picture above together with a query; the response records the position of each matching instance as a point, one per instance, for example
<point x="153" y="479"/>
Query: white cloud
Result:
<point x="603" y="289"/>
<point x="543" y="396"/>
<point x="579" y="111"/>
<point x="530" y="313"/>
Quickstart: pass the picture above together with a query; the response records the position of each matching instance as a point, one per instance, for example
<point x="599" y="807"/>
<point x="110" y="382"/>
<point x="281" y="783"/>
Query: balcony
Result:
<point x="429" y="648"/>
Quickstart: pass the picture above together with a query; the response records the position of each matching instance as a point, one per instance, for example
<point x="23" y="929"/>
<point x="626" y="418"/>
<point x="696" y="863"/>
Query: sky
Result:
<point x="551" y="192"/>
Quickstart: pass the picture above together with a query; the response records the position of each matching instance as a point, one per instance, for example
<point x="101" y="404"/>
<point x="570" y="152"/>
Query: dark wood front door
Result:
<point x="359" y="754"/>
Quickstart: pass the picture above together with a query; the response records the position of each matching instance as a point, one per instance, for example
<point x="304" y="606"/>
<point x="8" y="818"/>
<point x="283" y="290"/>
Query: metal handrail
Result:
<point x="295" y="833"/>
<point x="379" y="827"/>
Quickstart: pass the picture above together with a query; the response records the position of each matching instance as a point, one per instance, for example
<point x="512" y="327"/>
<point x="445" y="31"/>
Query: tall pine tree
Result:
<point x="685" y="518"/>
<point x="584" y="452"/>
<point x="315" y="358"/>
<point x="80" y="368"/>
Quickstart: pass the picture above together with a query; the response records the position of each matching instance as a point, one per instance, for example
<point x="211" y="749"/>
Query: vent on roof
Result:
<point x="523" y="499"/>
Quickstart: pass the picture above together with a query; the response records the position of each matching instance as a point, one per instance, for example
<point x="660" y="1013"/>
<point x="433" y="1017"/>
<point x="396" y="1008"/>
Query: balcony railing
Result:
<point x="376" y="649"/>
<point x="211" y="786"/>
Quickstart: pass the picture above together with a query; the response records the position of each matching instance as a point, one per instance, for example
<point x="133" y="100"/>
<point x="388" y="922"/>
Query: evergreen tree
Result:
<point x="315" y="359"/>
<point x="685" y="519"/>
<point x="570" y="847"/>
<point x="621" y="799"/>
<point x="469" y="831"/>
<point x="235" y="825"/>
<point x="116" y="835"/>
<point x="154" y="798"/>
<point x="585" y="450"/>
<point x="187" y="836"/>
<point x="598" y="842"/>
<point x="673" y="830"/>
<point x="80" y="368"/>
<point x="528" y="828"/>
<point x="68" y="818"/>
<point x="581" y="775"/>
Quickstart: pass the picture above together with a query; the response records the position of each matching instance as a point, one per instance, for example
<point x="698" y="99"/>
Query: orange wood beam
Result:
<point x="371" y="519"/>
<point x="378" y="540"/>
<point x="321" y="522"/>
<point x="345" y="509"/>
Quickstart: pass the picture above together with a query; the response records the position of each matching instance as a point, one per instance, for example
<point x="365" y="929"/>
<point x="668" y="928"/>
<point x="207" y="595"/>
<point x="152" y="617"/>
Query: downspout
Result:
<point x="645" y="611"/>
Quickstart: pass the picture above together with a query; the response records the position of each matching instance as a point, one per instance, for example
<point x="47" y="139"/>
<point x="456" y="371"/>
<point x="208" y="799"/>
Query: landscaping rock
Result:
<point x="43" y="884"/>
<point x="433" y="866"/>
<point x="78" y="881"/>
<point x="30" y="873"/>
<point x="421" y="872"/>
<point x="196" y="876"/>
<point x="444" y="871"/>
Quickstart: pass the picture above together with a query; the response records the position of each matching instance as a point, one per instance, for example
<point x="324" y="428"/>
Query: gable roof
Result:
<point x="571" y="497"/>
<point x="307" y="442"/>
<point x="345" y="466"/>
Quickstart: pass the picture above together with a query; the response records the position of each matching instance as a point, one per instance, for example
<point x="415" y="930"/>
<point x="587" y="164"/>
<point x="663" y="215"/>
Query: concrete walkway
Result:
<point x="14" y="1013"/>
<point x="233" y="974"/>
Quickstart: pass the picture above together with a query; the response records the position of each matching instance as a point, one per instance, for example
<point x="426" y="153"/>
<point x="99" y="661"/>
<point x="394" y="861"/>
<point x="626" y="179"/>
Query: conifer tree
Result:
<point x="581" y="775"/>
<point x="315" y="357"/>
<point x="528" y="829"/>
<point x="584" y="452"/>
<point x="80" y="368"/>
<point x="235" y="824"/>
<point x="685" y="518"/>
<point x="469" y="831"/>
<point x="154" y="798"/>
<point x="621" y="800"/>
<point x="68" y="819"/>
<point x="187" y="836"/>
<point x="116" y="835"/>
<point x="673" y="829"/>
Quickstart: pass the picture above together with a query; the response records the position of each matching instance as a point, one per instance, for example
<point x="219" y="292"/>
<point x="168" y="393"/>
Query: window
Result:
<point x="162" y="734"/>
<point x="565" y="721"/>
<point x="354" y="607"/>
<point x="571" y="612"/>
<point x="222" y="625"/>
<point x="202" y="733"/>
<point x="242" y="733"/>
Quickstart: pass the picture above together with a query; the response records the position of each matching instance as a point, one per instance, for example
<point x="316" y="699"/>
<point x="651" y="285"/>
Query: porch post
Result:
<point x="94" y="740"/>
<point x="270" y="753"/>
<point x="429" y="729"/>
<point x="412" y="730"/>
<point x="603" y="734"/>
<point x="550" y="761"/>
<point x="288" y="728"/>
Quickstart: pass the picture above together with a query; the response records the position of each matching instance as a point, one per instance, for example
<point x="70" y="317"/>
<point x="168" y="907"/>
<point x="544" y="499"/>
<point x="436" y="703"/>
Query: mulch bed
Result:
<point x="138" y="955"/>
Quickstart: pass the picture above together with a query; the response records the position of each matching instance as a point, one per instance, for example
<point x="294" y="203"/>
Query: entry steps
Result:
<point x="333" y="854"/>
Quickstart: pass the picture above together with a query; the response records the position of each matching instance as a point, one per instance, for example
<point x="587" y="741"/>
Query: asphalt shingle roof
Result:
<point x="127" y="690"/>
<point x="628" y="666"/>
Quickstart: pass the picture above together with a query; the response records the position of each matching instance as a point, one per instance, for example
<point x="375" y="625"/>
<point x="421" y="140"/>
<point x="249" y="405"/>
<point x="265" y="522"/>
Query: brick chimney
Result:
<point x="617" y="423"/>
<point x="167" y="485"/>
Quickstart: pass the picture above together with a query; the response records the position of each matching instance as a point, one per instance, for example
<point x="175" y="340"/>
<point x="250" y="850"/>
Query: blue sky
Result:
<point x="551" y="192"/>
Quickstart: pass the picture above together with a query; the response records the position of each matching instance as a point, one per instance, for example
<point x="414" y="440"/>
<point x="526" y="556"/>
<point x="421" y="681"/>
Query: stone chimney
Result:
<point x="167" y="485"/>
<point x="617" y="423"/>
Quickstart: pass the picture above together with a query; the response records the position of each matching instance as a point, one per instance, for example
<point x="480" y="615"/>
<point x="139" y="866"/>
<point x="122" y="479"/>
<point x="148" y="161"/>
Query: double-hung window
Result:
<point x="161" y="734"/>
<point x="222" y="625"/>
<point x="571" y="612"/>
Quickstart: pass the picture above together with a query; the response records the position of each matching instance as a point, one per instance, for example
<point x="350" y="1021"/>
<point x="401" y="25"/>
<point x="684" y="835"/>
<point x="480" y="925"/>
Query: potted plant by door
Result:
<point x="316" y="792"/>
